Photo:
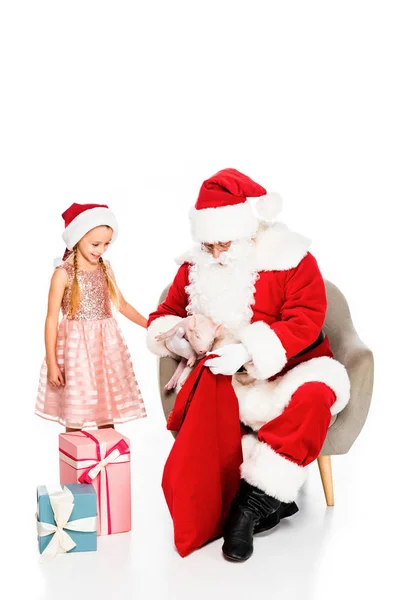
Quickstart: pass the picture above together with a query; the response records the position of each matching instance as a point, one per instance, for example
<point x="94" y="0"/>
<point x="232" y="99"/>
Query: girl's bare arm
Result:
<point x="131" y="313"/>
<point x="125" y="308"/>
<point x="56" y="292"/>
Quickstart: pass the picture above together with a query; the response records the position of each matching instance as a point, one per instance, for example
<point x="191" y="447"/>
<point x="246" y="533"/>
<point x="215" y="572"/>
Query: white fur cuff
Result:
<point x="265" y="348"/>
<point x="155" y="328"/>
<point x="270" y="472"/>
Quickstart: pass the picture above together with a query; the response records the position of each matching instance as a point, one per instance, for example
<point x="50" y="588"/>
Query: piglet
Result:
<point x="200" y="332"/>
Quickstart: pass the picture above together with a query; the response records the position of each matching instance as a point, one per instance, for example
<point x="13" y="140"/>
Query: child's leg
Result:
<point x="71" y="429"/>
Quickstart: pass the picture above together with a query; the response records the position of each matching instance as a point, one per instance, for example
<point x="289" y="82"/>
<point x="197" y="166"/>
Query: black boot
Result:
<point x="286" y="509"/>
<point x="249" y="506"/>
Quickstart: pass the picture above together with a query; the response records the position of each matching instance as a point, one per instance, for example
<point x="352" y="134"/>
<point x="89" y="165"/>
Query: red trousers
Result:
<point x="300" y="431"/>
<point x="274" y="459"/>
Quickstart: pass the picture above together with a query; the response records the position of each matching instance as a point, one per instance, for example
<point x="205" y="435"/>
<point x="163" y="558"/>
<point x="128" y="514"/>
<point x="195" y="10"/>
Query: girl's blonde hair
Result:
<point x="75" y="296"/>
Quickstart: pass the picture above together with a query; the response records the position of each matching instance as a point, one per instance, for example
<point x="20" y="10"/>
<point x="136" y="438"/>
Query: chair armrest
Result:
<point x="359" y="362"/>
<point x="166" y="368"/>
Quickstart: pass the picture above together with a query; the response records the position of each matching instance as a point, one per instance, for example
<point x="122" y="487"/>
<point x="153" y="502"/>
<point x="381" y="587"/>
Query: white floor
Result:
<point x="320" y="553"/>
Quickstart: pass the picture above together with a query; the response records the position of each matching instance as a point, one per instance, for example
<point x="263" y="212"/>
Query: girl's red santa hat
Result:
<point x="79" y="219"/>
<point x="223" y="211"/>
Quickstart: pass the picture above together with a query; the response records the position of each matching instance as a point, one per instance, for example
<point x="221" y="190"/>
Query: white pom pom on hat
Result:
<point x="269" y="206"/>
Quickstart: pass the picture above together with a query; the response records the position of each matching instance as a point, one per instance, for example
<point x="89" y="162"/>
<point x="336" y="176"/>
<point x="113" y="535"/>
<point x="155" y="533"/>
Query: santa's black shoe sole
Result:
<point x="285" y="510"/>
<point x="233" y="558"/>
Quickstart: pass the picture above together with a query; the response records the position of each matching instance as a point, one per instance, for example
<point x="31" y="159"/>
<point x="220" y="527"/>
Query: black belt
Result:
<point x="317" y="342"/>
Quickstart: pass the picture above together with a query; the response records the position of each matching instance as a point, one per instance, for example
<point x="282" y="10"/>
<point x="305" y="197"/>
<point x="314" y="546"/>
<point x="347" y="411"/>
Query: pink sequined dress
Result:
<point x="100" y="384"/>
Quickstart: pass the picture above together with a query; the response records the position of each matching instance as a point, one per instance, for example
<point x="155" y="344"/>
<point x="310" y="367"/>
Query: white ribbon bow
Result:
<point x="94" y="471"/>
<point x="62" y="503"/>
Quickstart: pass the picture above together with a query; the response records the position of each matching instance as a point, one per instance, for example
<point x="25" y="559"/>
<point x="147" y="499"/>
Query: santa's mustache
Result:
<point x="222" y="259"/>
<point x="238" y="250"/>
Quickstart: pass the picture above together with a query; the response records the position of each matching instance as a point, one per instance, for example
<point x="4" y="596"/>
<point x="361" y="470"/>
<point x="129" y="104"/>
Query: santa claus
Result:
<point x="258" y="279"/>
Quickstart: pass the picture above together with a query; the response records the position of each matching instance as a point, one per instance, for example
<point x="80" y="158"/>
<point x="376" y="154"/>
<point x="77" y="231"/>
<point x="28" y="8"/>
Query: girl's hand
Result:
<point x="54" y="376"/>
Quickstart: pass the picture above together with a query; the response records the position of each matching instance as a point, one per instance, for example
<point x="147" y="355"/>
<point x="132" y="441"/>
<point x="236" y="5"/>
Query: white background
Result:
<point x="135" y="104"/>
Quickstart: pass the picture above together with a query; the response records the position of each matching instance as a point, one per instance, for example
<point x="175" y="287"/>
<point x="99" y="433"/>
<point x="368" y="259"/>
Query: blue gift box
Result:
<point x="84" y="506"/>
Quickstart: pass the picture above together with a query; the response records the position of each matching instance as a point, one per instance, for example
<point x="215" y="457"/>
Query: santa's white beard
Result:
<point x="223" y="288"/>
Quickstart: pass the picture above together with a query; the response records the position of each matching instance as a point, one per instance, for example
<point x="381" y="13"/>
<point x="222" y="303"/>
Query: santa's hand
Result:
<point x="230" y="359"/>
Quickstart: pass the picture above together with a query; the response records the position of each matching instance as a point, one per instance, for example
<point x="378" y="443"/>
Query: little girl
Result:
<point x="87" y="377"/>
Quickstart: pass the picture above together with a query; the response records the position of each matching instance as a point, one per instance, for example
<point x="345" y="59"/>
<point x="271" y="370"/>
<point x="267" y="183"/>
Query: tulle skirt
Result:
<point x="100" y="384"/>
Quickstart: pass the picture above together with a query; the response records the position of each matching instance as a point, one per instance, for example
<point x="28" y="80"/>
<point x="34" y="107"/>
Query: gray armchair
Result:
<point x="352" y="353"/>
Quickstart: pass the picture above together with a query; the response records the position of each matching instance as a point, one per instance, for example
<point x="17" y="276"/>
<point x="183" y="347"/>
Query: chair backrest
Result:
<point x="338" y="322"/>
<point x="164" y="294"/>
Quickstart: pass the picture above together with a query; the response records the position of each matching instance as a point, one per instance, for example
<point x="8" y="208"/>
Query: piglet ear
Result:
<point x="192" y="322"/>
<point x="218" y="331"/>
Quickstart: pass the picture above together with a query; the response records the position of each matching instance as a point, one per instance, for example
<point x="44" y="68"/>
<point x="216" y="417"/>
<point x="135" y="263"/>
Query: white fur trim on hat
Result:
<point x="160" y="325"/>
<point x="223" y="224"/>
<point x="269" y="471"/>
<point x="87" y="220"/>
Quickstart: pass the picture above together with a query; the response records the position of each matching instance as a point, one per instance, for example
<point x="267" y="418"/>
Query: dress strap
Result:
<point x="68" y="268"/>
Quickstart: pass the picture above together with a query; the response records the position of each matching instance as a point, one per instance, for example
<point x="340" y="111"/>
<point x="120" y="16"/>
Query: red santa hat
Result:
<point x="223" y="212"/>
<point x="81" y="218"/>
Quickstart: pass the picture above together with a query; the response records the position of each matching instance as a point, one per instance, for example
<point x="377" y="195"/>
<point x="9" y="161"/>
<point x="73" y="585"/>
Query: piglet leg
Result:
<point x="192" y="358"/>
<point x="171" y="332"/>
<point x="172" y="383"/>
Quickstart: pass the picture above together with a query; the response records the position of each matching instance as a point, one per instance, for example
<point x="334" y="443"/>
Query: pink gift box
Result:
<point x="100" y="457"/>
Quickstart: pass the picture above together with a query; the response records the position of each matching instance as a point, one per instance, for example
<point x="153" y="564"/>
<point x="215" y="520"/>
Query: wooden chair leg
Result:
<point x="325" y="470"/>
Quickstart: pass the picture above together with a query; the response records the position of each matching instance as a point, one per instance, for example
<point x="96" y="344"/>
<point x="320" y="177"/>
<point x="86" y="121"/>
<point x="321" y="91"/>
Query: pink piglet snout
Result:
<point x="201" y="333"/>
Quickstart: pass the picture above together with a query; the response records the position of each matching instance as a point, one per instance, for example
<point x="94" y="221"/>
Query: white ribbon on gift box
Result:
<point x="99" y="468"/>
<point x="62" y="503"/>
